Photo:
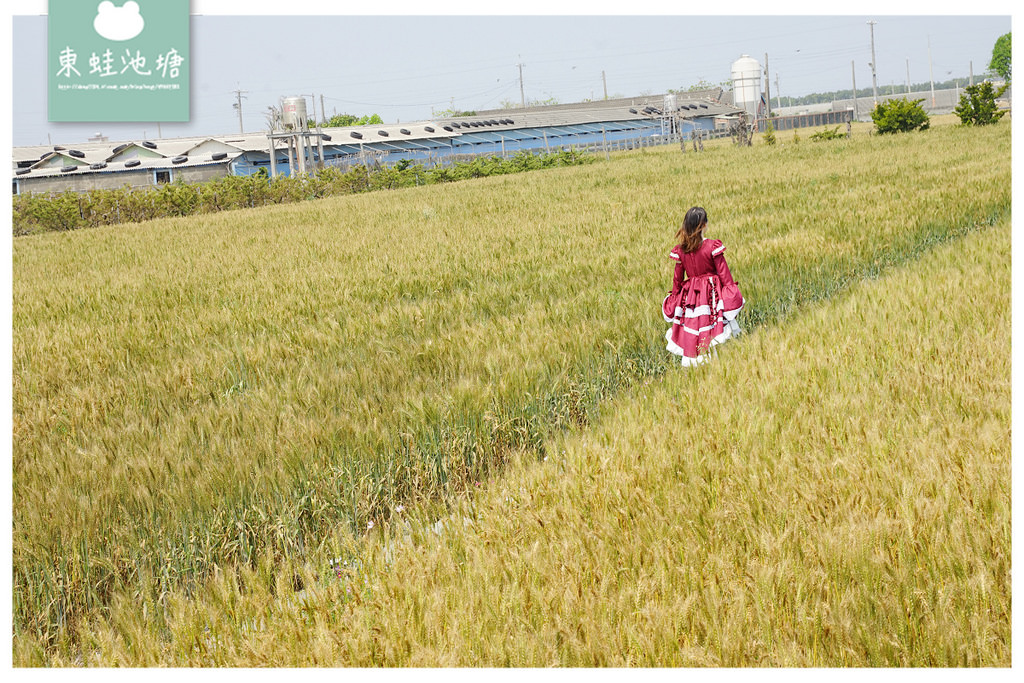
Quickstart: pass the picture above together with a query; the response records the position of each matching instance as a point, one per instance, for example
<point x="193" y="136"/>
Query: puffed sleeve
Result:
<point x="731" y="295"/>
<point x="718" y="258"/>
<point x="679" y="275"/>
<point x="671" y="302"/>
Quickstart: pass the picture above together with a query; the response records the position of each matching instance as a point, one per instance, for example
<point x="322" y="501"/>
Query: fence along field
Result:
<point x="198" y="392"/>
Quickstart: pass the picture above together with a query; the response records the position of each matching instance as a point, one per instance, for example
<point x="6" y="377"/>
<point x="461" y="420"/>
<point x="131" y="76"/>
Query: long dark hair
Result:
<point x="691" y="234"/>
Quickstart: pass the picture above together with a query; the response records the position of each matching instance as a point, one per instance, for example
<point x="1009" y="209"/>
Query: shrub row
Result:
<point x="70" y="210"/>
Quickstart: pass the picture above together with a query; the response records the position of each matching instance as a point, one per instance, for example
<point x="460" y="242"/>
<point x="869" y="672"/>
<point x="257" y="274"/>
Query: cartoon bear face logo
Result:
<point x="118" y="23"/>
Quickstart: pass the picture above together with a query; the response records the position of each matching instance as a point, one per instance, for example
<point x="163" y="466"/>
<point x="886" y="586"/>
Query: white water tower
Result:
<point x="305" y="148"/>
<point x="746" y="83"/>
<point x="293" y="113"/>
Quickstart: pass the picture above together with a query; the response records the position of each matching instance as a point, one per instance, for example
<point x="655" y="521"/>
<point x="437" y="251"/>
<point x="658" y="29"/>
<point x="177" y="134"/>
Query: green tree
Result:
<point x="1001" y="57"/>
<point x="769" y="134"/>
<point x="509" y="104"/>
<point x="701" y="84"/>
<point x="900" y="116"/>
<point x="977" y="105"/>
<point x="343" y="120"/>
<point x="450" y="113"/>
<point x="548" y="102"/>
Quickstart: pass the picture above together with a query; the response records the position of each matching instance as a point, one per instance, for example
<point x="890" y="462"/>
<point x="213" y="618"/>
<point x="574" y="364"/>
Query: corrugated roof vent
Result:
<point x="356" y="135"/>
<point x="429" y="129"/>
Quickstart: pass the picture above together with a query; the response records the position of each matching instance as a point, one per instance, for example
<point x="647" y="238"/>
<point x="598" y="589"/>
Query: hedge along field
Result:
<point x="834" y="492"/>
<point x="198" y="391"/>
<point x="71" y="210"/>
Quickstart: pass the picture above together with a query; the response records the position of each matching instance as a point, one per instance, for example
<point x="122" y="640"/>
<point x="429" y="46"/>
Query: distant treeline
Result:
<point x="886" y="89"/>
<point x="70" y="210"/>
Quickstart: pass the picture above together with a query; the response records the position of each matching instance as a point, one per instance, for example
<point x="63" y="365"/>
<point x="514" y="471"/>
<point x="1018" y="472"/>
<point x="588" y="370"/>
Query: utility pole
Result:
<point x="854" y="70"/>
<point x="778" y="92"/>
<point x="522" y="91"/>
<point x="238" y="106"/>
<point x="874" y="74"/>
<point x="908" y="75"/>
<point x="322" y="114"/>
<point x="931" y="74"/>
<point x="604" y="81"/>
<point x="767" y="89"/>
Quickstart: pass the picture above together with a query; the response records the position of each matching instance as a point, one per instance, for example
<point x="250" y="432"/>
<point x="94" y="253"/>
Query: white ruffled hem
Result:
<point x="731" y="329"/>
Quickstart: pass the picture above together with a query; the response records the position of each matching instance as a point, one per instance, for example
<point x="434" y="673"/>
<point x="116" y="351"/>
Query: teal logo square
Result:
<point x="118" y="61"/>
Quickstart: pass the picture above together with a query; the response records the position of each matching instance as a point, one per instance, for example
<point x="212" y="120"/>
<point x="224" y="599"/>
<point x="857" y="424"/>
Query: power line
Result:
<point x="482" y="93"/>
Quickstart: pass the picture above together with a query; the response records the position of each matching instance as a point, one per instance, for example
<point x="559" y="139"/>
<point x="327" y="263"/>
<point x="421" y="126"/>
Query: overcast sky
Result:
<point x="406" y="67"/>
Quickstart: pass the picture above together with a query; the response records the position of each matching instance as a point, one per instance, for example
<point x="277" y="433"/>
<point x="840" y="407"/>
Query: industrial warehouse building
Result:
<point x="619" y="123"/>
<point x="104" y="165"/>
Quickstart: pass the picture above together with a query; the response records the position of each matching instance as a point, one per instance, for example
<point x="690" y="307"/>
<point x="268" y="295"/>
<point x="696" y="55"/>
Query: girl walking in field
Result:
<point x="704" y="300"/>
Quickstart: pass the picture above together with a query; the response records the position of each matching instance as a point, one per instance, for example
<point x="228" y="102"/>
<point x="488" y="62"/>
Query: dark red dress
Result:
<point x="703" y="303"/>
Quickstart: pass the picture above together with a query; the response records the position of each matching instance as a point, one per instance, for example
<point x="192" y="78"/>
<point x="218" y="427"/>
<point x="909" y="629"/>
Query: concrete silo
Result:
<point x="746" y="83"/>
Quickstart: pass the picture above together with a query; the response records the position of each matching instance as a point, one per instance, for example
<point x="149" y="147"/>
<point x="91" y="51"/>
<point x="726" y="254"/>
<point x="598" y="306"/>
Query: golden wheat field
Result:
<point x="209" y="410"/>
